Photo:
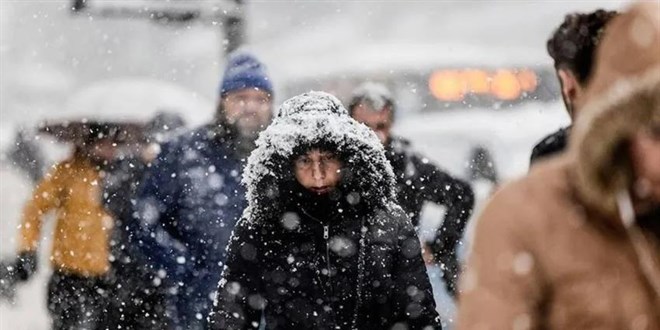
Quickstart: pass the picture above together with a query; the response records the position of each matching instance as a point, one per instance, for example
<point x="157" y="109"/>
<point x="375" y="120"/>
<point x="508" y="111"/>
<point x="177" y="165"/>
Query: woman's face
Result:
<point x="318" y="171"/>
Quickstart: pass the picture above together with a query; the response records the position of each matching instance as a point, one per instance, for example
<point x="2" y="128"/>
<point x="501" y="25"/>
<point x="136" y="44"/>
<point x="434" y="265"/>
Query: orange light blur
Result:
<point x="447" y="85"/>
<point x="477" y="81"/>
<point x="505" y="85"/>
<point x="528" y="81"/>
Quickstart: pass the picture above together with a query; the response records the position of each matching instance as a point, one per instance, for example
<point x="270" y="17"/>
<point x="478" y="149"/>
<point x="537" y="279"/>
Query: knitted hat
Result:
<point x="244" y="71"/>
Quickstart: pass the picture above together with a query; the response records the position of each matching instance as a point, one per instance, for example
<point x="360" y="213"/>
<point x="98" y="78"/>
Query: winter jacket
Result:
<point x="81" y="237"/>
<point x="354" y="265"/>
<point x="120" y="186"/>
<point x="419" y="181"/>
<point x="550" y="145"/>
<point x="562" y="248"/>
<point x="138" y="299"/>
<point x="188" y="204"/>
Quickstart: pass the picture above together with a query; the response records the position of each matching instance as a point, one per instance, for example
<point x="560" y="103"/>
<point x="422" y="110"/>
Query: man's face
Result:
<point x="645" y="153"/>
<point x="571" y="90"/>
<point x="379" y="120"/>
<point x="248" y="109"/>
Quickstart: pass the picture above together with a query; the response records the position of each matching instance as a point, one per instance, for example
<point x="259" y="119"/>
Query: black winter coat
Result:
<point x="419" y="181"/>
<point x="312" y="275"/>
<point x="550" y="145"/>
<point x="349" y="261"/>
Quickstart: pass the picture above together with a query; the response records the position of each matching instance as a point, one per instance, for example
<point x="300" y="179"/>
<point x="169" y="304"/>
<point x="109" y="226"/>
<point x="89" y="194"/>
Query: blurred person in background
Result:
<point x="482" y="173"/>
<point x="26" y="155"/>
<point x="138" y="298"/>
<point x="77" y="291"/>
<point x="323" y="244"/>
<point x="417" y="179"/>
<point x="192" y="197"/>
<point x="572" y="47"/>
<point x="576" y="243"/>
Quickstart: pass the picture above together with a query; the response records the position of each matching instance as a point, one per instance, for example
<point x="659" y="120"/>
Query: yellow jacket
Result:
<point x="81" y="242"/>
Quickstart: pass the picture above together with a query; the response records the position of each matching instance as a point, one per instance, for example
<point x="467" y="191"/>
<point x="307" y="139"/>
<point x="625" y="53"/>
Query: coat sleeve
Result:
<point x="46" y="197"/>
<point x="414" y="304"/>
<point x="156" y="211"/>
<point x="441" y="188"/>
<point x="502" y="287"/>
<point x="239" y="300"/>
<point x="457" y="196"/>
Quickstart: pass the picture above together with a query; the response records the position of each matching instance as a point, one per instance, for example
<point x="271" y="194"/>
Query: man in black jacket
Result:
<point x="572" y="47"/>
<point x="417" y="179"/>
<point x="322" y="244"/>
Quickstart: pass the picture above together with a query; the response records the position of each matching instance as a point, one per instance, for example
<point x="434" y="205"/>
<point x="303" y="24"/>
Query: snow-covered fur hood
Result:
<point x="317" y="119"/>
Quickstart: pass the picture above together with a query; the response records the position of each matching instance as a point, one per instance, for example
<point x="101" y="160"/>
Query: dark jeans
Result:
<point x="76" y="302"/>
<point x="136" y="303"/>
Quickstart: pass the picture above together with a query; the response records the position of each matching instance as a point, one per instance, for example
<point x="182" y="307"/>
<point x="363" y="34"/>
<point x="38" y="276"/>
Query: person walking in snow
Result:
<point x="191" y="196"/>
<point x="418" y="180"/>
<point x="322" y="244"/>
<point x="572" y="47"/>
<point x="77" y="290"/>
<point x="138" y="299"/>
<point x="576" y="243"/>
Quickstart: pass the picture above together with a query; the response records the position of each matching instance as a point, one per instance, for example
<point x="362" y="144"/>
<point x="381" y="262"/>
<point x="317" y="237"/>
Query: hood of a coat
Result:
<point x="317" y="119"/>
<point x="622" y="98"/>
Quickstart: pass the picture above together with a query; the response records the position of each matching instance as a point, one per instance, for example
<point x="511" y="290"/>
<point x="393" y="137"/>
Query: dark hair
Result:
<point x="573" y="44"/>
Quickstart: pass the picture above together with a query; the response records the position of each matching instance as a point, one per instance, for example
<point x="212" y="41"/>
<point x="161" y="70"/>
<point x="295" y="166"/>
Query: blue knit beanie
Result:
<point x="244" y="71"/>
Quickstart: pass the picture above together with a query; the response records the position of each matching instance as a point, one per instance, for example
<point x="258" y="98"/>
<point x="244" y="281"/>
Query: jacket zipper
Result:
<point x="326" y="237"/>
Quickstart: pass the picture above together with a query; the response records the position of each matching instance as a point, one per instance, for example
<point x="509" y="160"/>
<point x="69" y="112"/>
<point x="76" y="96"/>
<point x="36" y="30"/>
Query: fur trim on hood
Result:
<point x="622" y="98"/>
<point x="601" y="136"/>
<point x="317" y="119"/>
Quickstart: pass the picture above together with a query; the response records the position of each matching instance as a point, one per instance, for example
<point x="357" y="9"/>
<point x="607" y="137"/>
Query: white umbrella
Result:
<point x="134" y="100"/>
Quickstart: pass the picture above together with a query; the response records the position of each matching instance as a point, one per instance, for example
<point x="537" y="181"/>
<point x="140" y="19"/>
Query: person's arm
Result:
<point x="503" y="284"/>
<point x="46" y="197"/>
<point x="239" y="300"/>
<point x="157" y="206"/>
<point x="413" y="297"/>
<point x="457" y="196"/>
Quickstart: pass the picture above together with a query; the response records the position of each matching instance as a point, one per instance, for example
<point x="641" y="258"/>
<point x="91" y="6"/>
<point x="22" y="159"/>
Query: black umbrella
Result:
<point x="84" y="132"/>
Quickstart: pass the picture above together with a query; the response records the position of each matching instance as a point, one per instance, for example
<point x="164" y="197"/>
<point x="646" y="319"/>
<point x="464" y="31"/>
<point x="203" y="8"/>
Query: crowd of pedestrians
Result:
<point x="307" y="217"/>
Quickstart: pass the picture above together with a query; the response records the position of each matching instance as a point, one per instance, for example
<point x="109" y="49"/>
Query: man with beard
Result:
<point x="80" y="250"/>
<point x="572" y="47"/>
<point x="191" y="197"/>
<point x="322" y="244"/>
<point x="418" y="181"/>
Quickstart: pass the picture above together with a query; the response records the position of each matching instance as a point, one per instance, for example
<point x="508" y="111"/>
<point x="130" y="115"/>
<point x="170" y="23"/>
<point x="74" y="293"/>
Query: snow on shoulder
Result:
<point x="313" y="119"/>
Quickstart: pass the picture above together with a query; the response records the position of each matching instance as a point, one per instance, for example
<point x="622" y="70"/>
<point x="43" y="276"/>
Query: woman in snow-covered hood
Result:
<point x="322" y="244"/>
